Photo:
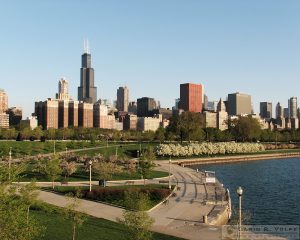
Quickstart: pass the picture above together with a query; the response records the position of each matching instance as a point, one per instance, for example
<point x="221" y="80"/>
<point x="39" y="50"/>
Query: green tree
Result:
<point x="105" y="170"/>
<point x="146" y="163"/>
<point x="15" y="223"/>
<point x="50" y="133"/>
<point x="160" y="134"/>
<point x="52" y="169"/>
<point x="37" y="133"/>
<point x="245" y="129"/>
<point x="135" y="218"/>
<point x="29" y="197"/>
<point x="12" y="173"/>
<point x="188" y="126"/>
<point x="71" y="213"/>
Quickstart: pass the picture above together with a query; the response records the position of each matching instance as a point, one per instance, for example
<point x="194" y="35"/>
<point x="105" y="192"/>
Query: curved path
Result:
<point x="181" y="216"/>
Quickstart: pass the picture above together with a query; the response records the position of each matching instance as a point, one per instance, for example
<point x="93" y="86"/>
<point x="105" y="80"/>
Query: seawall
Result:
<point x="232" y="159"/>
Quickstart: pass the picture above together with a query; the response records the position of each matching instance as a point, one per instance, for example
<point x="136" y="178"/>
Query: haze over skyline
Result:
<point x="152" y="47"/>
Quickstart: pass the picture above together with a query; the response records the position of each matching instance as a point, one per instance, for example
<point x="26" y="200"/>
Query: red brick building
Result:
<point x="85" y="115"/>
<point x="191" y="97"/>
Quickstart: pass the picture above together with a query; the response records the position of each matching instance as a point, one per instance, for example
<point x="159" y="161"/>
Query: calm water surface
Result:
<point x="271" y="188"/>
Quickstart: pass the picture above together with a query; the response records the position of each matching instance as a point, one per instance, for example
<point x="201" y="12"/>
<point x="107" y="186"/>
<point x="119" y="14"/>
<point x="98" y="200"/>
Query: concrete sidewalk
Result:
<point x="91" y="208"/>
<point x="183" y="215"/>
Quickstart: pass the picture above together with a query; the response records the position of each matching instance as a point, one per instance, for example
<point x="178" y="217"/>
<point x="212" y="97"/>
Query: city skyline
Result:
<point x="226" y="50"/>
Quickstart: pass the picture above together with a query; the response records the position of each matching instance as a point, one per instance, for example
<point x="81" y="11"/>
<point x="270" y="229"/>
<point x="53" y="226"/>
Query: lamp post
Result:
<point x="90" y="163"/>
<point x="116" y="152"/>
<point x="239" y="191"/>
<point x="138" y="160"/>
<point x="9" y="163"/>
<point x="170" y="173"/>
<point x="54" y="147"/>
<point x="276" y="138"/>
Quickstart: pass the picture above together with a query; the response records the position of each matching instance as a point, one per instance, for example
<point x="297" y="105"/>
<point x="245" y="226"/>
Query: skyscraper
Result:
<point x="286" y="113"/>
<point x="3" y="101"/>
<point x="191" y="97"/>
<point x="239" y="104"/>
<point x="279" y="111"/>
<point x="293" y="107"/>
<point x="266" y="110"/>
<point x="205" y="102"/>
<point x="145" y="107"/>
<point x="122" y="99"/>
<point x="63" y="92"/>
<point x="87" y="92"/>
<point x="15" y="115"/>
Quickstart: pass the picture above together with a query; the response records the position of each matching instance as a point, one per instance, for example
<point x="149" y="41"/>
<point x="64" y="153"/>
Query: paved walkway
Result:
<point x="94" y="209"/>
<point x="181" y="216"/>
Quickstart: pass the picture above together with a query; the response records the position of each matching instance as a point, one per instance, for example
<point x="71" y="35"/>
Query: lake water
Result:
<point x="271" y="188"/>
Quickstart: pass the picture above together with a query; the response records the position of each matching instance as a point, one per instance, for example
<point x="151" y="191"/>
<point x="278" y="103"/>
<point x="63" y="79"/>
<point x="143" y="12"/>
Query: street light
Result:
<point x="138" y="160"/>
<point x="116" y="152"/>
<point x="9" y="163"/>
<point x="90" y="163"/>
<point x="170" y="173"/>
<point x="54" y="147"/>
<point x="239" y="191"/>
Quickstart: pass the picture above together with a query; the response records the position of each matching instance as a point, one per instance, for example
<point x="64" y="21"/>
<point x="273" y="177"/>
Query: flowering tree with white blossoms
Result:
<point x="207" y="148"/>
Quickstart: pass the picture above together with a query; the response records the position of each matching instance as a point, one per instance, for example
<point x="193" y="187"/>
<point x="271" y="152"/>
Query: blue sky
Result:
<point x="151" y="46"/>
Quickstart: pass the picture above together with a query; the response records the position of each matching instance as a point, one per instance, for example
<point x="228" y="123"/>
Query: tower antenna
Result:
<point x="87" y="46"/>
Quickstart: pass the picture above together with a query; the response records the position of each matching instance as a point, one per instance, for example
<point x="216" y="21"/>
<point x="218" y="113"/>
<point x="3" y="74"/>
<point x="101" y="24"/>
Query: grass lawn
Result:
<point x="122" y="149"/>
<point x="59" y="228"/>
<point x="116" y="194"/>
<point x="28" y="148"/>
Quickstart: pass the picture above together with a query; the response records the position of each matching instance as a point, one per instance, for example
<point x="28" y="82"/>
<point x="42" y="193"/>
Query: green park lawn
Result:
<point x="28" y="148"/>
<point x="60" y="228"/>
<point x="31" y="148"/>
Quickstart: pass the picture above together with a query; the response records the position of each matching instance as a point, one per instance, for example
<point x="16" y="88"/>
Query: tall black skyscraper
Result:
<point x="87" y="92"/>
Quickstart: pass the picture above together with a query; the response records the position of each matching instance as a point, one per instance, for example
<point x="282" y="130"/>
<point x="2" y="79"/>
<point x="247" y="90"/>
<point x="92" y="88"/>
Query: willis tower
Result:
<point x="87" y="92"/>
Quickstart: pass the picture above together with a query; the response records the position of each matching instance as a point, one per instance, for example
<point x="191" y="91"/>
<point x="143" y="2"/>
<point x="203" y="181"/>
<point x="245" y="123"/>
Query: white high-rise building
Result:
<point x="3" y="101"/>
<point x="63" y="90"/>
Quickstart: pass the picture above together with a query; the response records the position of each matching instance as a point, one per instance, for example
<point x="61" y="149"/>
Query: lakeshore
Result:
<point x="271" y="189"/>
<point x="233" y="159"/>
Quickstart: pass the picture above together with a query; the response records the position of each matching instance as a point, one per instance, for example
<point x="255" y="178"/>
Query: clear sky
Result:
<point x="151" y="46"/>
